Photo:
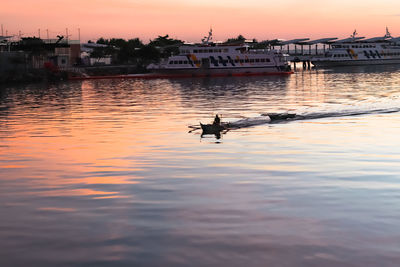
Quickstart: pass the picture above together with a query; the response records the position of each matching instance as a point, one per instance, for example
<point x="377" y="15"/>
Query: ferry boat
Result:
<point x="359" y="51"/>
<point x="211" y="59"/>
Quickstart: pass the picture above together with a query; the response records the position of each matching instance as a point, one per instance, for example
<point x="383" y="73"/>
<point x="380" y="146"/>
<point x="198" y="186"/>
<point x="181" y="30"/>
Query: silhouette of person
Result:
<point x="217" y="120"/>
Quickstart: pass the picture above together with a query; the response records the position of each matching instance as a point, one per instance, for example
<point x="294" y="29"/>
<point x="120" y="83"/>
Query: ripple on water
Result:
<point x="106" y="173"/>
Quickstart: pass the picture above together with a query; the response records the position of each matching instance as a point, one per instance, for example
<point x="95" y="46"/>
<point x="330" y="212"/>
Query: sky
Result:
<point x="190" y="20"/>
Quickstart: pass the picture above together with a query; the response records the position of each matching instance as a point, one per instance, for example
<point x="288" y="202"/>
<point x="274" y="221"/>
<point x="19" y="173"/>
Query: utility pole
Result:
<point x="19" y="35"/>
<point x="2" y="30"/>
<point x="79" y="35"/>
<point x="66" y="31"/>
<point x="47" y="33"/>
<point x="39" y="33"/>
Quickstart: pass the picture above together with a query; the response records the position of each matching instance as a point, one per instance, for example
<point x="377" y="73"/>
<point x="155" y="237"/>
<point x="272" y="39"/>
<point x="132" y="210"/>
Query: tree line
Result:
<point x="134" y="51"/>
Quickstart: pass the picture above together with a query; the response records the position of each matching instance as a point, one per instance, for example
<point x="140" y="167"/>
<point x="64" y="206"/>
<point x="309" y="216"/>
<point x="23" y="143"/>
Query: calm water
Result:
<point x="106" y="173"/>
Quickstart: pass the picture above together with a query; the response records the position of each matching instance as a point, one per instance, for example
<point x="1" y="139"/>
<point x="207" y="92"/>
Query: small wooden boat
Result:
<point x="281" y="116"/>
<point x="212" y="128"/>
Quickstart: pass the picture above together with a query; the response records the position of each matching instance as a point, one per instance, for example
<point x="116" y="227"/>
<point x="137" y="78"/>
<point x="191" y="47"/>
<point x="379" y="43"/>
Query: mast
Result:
<point x="387" y="35"/>
<point x="353" y="36"/>
<point x="206" y="40"/>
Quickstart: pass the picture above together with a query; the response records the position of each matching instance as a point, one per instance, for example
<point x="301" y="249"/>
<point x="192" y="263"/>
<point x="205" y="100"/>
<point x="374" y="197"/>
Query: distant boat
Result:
<point x="359" y="51"/>
<point x="211" y="59"/>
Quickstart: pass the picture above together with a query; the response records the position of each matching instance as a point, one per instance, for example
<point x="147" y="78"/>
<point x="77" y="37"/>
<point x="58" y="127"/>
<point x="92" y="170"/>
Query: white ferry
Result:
<point x="210" y="59"/>
<point x="359" y="51"/>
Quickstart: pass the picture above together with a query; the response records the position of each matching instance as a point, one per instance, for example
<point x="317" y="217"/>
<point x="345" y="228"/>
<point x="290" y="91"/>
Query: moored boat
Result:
<point x="211" y="59"/>
<point x="356" y="51"/>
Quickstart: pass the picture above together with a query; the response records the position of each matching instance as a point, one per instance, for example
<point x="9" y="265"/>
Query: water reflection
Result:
<point x="105" y="173"/>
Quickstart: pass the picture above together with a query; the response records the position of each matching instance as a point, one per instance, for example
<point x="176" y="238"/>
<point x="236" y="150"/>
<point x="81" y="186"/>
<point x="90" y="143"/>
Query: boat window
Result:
<point x="171" y="62"/>
<point x="246" y="60"/>
<point x="267" y="60"/>
<point x="236" y="60"/>
<point x="257" y="60"/>
<point x="195" y="51"/>
<point x="180" y="61"/>
<point x="241" y="61"/>
<point x="185" y="62"/>
<point x="225" y="50"/>
<point x="252" y="60"/>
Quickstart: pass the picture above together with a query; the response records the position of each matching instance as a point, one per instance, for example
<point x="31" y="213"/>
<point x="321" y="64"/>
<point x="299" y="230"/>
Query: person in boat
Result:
<point x="217" y="120"/>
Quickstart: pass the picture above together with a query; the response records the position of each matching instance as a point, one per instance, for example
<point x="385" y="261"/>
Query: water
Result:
<point x="106" y="173"/>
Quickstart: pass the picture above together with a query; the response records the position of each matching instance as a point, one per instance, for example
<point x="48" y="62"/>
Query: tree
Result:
<point x="149" y="53"/>
<point x="166" y="45"/>
<point x="240" y="39"/>
<point x="123" y="51"/>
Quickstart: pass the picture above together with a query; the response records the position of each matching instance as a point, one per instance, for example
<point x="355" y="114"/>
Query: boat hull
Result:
<point x="366" y="62"/>
<point x="213" y="72"/>
<point x="212" y="128"/>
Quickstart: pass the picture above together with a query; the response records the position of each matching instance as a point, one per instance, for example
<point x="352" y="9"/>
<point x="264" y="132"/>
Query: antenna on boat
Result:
<point x="354" y="34"/>
<point x="208" y="38"/>
<point x="387" y="35"/>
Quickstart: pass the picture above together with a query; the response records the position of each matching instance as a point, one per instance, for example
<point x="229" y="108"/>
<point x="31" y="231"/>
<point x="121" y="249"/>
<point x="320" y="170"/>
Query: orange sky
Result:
<point x="190" y="20"/>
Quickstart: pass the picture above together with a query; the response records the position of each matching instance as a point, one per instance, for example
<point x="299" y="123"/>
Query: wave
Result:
<point x="284" y="117"/>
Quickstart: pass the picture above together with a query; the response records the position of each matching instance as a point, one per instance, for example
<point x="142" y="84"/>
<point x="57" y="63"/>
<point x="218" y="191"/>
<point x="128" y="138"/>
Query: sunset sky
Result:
<point x="190" y="20"/>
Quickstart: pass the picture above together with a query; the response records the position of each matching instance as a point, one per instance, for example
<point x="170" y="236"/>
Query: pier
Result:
<point x="302" y="50"/>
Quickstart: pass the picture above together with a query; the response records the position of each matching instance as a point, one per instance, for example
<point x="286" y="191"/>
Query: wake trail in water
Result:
<point x="287" y="117"/>
<point x="321" y="115"/>
<point x="312" y="114"/>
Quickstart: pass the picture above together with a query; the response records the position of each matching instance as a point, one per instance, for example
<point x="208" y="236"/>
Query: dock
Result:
<point x="303" y="50"/>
